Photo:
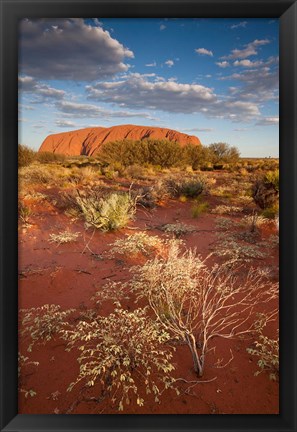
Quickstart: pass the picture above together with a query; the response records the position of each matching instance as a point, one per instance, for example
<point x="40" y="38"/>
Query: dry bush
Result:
<point x="43" y="323"/>
<point x="23" y="362"/>
<point x="34" y="196"/>
<point x="111" y="291"/>
<point x="25" y="155"/>
<point x="24" y="213"/>
<point x="196" y="304"/>
<point x="234" y="251"/>
<point x="267" y="351"/>
<point x="265" y="190"/>
<point x="226" y="209"/>
<point x="121" y="353"/>
<point x="35" y="174"/>
<point x="64" y="237"/>
<point x="135" y="244"/>
<point x="178" y="229"/>
<point x="254" y="221"/>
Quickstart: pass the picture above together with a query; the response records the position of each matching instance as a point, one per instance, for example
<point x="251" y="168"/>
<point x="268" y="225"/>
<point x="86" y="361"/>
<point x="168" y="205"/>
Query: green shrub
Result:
<point x="24" y="213"/>
<point x="198" y="208"/>
<point x="25" y="155"/>
<point x="272" y="177"/>
<point x="267" y="351"/>
<point x="271" y="212"/>
<point x="223" y="153"/>
<point x="49" y="157"/>
<point x="107" y="213"/>
<point x="265" y="191"/>
<point x="189" y="187"/>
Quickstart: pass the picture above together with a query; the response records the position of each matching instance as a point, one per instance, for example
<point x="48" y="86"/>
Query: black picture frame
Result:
<point x="11" y="11"/>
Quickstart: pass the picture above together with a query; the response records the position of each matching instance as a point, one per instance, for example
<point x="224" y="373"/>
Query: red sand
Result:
<point x="67" y="276"/>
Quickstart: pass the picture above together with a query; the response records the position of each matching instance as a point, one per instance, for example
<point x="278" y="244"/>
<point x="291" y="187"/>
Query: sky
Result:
<point x="213" y="78"/>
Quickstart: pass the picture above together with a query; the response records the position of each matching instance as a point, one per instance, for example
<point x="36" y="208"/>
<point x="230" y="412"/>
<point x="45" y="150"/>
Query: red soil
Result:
<point x="69" y="275"/>
<point x="88" y="141"/>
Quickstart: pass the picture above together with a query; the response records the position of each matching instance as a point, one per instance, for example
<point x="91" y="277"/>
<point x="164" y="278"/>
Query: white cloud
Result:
<point x="28" y="84"/>
<point x="169" y="63"/>
<point x="198" y="130"/>
<point x="69" y="49"/>
<point x="138" y="91"/>
<point x="247" y="63"/>
<point x="223" y="64"/>
<point x="241" y="24"/>
<point x="250" y="49"/>
<point x="79" y="110"/>
<point x="162" y="27"/>
<point x="204" y="51"/>
<point x="268" y="121"/>
<point x="259" y="85"/>
<point x="65" y="123"/>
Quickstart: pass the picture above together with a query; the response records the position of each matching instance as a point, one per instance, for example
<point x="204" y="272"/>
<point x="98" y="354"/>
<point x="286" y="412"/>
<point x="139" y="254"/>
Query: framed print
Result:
<point x="143" y="282"/>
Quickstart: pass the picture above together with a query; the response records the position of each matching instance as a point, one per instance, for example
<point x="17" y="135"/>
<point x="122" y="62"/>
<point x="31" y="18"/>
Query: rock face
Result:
<point x="88" y="141"/>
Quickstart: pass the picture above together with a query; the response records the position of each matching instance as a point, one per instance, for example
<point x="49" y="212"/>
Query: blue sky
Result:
<point x="213" y="78"/>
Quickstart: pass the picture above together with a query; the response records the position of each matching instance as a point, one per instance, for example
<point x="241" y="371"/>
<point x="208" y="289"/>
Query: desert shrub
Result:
<point x="226" y="209"/>
<point x="63" y="237"/>
<point x="43" y="323"/>
<point x="208" y="166"/>
<point x="121" y="353"/>
<point x="49" y="157"/>
<point x="125" y="152"/>
<point x="35" y="174"/>
<point x="135" y="171"/>
<point x="254" y="221"/>
<point x="22" y="363"/>
<point x="196" y="304"/>
<point x="25" y="155"/>
<point x="199" y="208"/>
<point x="273" y="178"/>
<point x="163" y="153"/>
<point x="111" y="291"/>
<point x="267" y="351"/>
<point x="271" y="212"/>
<point x="34" y="196"/>
<point x="147" y="196"/>
<point x="223" y="153"/>
<point x="109" y="212"/>
<point x="177" y="229"/>
<point x="136" y="243"/>
<point x="234" y="251"/>
<point x="24" y="213"/>
<point x="190" y="187"/>
<point x="265" y="190"/>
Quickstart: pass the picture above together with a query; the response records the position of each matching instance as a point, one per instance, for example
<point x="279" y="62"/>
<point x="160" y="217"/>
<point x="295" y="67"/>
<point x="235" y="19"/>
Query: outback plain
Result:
<point x="148" y="278"/>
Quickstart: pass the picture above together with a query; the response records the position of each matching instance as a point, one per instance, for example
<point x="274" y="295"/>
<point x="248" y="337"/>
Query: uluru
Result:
<point x="89" y="140"/>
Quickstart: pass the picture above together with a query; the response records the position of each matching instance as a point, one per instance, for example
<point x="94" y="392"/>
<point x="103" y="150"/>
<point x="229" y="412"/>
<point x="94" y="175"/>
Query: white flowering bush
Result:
<point x="124" y="354"/>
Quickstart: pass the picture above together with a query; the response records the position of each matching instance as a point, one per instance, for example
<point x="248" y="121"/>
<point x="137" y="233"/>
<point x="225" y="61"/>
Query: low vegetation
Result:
<point x="106" y="212"/>
<point x="195" y="303"/>
<point x="141" y="213"/>
<point x="121" y="353"/>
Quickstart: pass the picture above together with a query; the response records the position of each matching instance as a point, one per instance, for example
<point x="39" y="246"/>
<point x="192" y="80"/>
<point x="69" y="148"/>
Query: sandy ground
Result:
<point x="69" y="275"/>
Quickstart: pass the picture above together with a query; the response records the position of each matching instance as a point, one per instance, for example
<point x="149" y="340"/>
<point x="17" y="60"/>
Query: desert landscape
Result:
<point x="148" y="204"/>
<point x="123" y="263"/>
